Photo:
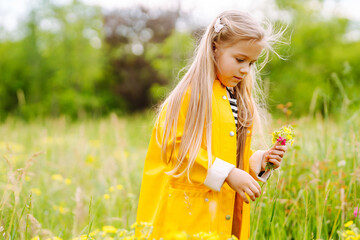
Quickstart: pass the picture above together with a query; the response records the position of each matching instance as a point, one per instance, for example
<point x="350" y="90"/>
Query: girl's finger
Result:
<point x="243" y="196"/>
<point x="256" y="184"/>
<point x="275" y="157"/>
<point x="280" y="153"/>
<point x="275" y="162"/>
<point x="281" y="148"/>
<point x="255" y="190"/>
<point x="250" y="194"/>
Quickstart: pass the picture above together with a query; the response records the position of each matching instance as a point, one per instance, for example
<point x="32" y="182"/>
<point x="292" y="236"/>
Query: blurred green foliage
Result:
<point x="53" y="70"/>
<point x="319" y="73"/>
<point x="78" y="61"/>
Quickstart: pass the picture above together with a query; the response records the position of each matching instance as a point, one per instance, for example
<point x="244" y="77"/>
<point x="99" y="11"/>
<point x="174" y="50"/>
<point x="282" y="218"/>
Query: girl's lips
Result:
<point x="238" y="78"/>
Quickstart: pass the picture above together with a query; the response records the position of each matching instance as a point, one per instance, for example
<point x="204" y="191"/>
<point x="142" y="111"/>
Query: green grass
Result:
<point x="76" y="163"/>
<point x="313" y="193"/>
<point x="89" y="157"/>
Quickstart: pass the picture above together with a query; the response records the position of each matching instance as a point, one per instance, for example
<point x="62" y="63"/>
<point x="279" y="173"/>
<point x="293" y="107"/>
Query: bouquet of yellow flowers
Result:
<point x="283" y="136"/>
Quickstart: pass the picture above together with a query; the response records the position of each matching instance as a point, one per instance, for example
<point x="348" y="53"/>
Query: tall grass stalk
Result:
<point x="306" y="223"/>
<point x="91" y="219"/>
<point x="258" y="208"/>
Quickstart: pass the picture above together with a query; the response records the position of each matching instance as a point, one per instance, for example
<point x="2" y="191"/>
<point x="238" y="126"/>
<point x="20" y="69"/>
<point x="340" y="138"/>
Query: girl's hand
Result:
<point x="274" y="155"/>
<point x="242" y="183"/>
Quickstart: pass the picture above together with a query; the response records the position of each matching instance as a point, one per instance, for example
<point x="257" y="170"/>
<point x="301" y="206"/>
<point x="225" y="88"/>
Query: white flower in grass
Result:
<point x="341" y="163"/>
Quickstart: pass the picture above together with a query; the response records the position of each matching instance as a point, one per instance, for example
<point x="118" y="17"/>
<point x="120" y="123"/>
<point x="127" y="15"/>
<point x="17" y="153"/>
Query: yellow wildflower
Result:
<point x="90" y="160"/>
<point x="213" y="237"/>
<point x="201" y="234"/>
<point x="287" y="130"/>
<point x="289" y="137"/>
<point x="106" y="196"/>
<point x="129" y="238"/>
<point x="36" y="238"/>
<point x="82" y="237"/>
<point x="349" y="232"/>
<point x="27" y="178"/>
<point x="121" y="233"/>
<point x="126" y="154"/>
<point x="109" y="229"/>
<point x="67" y="181"/>
<point x="95" y="143"/>
<point x="62" y="210"/>
<point x="119" y="186"/>
<point x="349" y="223"/>
<point x="177" y="236"/>
<point x="36" y="191"/>
<point x="111" y="189"/>
<point x="57" y="177"/>
<point x="134" y="225"/>
<point x="94" y="233"/>
<point x="273" y="138"/>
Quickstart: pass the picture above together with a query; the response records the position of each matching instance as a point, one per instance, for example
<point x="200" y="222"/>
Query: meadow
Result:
<point x="63" y="179"/>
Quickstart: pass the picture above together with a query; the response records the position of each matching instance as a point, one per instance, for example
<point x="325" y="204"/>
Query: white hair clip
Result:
<point x="218" y="26"/>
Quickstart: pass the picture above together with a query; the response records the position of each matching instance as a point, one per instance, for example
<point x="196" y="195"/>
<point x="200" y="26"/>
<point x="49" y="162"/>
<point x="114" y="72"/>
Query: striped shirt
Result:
<point x="233" y="105"/>
<point x="232" y="100"/>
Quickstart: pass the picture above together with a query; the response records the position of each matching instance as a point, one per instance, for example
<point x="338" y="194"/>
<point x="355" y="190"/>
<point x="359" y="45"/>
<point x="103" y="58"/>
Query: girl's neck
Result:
<point x="231" y="90"/>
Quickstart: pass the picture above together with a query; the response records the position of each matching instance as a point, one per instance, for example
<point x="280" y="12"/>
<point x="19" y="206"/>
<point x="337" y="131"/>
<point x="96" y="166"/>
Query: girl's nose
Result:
<point x="245" y="69"/>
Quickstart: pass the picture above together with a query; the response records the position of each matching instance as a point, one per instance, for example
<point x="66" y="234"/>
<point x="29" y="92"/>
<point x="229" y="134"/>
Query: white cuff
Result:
<point x="255" y="166"/>
<point x="217" y="174"/>
<point x="263" y="176"/>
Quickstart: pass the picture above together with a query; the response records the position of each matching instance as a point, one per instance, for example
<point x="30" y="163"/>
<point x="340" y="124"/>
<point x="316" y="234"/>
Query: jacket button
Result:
<point x="248" y="131"/>
<point x="224" y="97"/>
<point x="206" y="199"/>
<point x="227" y="217"/>
<point x="232" y="133"/>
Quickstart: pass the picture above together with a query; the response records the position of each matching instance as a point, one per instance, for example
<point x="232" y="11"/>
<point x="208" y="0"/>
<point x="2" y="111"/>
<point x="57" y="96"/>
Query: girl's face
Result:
<point x="234" y="62"/>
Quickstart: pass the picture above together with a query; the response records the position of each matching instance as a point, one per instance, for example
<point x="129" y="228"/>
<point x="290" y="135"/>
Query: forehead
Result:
<point x="246" y="48"/>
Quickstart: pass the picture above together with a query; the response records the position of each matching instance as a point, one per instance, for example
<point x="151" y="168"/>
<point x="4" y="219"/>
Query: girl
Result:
<point x="199" y="170"/>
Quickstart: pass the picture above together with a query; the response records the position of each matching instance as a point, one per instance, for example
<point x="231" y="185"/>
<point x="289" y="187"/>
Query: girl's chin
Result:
<point x="232" y="82"/>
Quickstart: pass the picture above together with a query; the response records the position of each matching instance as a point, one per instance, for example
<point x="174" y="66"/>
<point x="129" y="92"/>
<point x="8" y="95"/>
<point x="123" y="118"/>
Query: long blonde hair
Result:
<point x="199" y="79"/>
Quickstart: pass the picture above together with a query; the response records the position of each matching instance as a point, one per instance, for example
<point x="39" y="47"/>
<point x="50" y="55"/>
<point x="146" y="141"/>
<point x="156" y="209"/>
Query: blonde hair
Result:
<point x="199" y="79"/>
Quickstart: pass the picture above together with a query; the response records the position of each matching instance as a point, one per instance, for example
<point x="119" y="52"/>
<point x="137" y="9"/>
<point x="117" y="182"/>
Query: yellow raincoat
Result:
<point x="173" y="205"/>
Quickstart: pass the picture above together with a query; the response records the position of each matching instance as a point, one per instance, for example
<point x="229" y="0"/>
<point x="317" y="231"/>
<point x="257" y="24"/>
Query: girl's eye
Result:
<point x="239" y="60"/>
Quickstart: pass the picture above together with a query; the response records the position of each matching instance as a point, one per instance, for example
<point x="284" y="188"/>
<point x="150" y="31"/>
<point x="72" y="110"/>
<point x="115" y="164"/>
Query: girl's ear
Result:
<point x="215" y="50"/>
<point x="215" y="47"/>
